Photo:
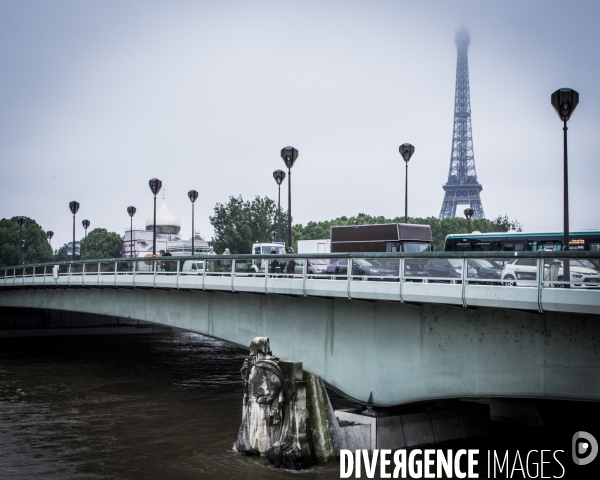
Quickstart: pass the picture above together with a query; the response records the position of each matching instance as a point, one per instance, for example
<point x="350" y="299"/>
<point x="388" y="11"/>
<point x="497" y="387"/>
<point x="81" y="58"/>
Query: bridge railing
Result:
<point x="525" y="280"/>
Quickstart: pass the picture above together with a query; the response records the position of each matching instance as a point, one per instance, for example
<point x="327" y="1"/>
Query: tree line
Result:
<point x="238" y="223"/>
<point x="100" y="243"/>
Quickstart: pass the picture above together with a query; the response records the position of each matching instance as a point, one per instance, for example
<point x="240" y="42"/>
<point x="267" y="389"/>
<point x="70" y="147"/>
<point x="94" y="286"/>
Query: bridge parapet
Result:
<point x="470" y="279"/>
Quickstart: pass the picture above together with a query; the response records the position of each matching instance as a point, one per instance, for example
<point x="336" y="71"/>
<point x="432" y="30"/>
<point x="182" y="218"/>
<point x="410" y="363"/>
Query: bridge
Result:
<point x="391" y="332"/>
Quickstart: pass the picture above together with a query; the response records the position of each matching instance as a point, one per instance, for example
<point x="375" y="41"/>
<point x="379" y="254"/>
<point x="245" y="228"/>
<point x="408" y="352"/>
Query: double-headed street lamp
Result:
<point x="86" y="225"/>
<point x="469" y="215"/>
<point x="49" y="235"/>
<point x="131" y="211"/>
<point x="279" y="176"/>
<point x="155" y="186"/>
<point x="74" y="207"/>
<point x="289" y="155"/>
<point x="193" y="195"/>
<point x="406" y="151"/>
<point x="21" y="224"/>
<point x="564" y="101"/>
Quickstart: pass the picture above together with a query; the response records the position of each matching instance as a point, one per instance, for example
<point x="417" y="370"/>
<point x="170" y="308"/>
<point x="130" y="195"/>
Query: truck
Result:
<point x="314" y="246"/>
<point x="389" y="237"/>
<point x="263" y="249"/>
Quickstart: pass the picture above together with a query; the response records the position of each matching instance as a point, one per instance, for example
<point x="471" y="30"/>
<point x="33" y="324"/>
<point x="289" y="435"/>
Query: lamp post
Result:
<point x="155" y="185"/>
<point x="74" y="207"/>
<point x="469" y="215"/>
<point x="131" y="211"/>
<point x="279" y="176"/>
<point x="406" y="151"/>
<point x="21" y="223"/>
<point x="86" y="225"/>
<point x="193" y="195"/>
<point x="50" y="234"/>
<point x="289" y="155"/>
<point x="564" y="101"/>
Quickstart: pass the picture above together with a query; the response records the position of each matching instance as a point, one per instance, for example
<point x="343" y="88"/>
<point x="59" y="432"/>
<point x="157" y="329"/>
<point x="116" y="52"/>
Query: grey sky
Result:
<point x="100" y="96"/>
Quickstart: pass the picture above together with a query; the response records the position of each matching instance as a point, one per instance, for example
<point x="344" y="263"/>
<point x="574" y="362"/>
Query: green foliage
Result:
<point x="99" y="244"/>
<point x="238" y="223"/>
<point x="439" y="228"/>
<point x="36" y="250"/>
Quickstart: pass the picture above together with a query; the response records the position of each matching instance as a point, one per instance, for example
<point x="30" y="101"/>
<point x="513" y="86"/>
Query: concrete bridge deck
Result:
<point x="402" y="341"/>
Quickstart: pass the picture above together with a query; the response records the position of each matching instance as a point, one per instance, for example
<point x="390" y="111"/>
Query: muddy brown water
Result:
<point x="154" y="406"/>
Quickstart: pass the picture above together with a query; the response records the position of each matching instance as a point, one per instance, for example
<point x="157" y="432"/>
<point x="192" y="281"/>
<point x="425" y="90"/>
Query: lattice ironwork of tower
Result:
<point x="462" y="187"/>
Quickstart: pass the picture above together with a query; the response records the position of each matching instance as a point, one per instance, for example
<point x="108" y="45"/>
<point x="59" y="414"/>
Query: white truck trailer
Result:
<point x="314" y="246"/>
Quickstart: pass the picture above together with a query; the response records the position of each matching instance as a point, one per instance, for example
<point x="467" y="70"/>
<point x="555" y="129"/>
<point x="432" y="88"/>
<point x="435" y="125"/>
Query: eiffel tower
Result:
<point x="462" y="187"/>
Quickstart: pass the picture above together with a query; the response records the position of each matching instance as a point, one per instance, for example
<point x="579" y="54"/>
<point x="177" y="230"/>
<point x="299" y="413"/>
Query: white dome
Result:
<point x="166" y="222"/>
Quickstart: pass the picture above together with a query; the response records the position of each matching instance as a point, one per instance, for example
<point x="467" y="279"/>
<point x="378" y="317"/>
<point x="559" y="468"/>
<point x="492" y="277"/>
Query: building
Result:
<point x="137" y="241"/>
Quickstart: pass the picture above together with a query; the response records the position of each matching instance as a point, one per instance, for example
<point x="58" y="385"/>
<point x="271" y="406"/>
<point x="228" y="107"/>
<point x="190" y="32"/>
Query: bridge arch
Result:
<point x="399" y="352"/>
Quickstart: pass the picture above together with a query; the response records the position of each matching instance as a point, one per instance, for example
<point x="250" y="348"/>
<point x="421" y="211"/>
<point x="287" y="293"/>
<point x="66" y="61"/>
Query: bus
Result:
<point x="522" y="242"/>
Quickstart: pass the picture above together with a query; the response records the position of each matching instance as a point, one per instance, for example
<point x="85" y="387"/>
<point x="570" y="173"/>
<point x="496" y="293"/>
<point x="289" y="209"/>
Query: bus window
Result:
<point x="547" y="246"/>
<point x="514" y="246"/>
<point x="594" y="246"/>
<point x="487" y="246"/>
<point x="462" y="246"/>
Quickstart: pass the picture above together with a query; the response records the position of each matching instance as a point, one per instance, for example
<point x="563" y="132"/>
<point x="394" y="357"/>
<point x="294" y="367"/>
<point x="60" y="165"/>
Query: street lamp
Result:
<point x="564" y="101"/>
<point x="131" y="211"/>
<point x="406" y="151"/>
<point x="193" y="195"/>
<point x="469" y="215"/>
<point x="50" y="234"/>
<point x="289" y="155"/>
<point x="86" y="225"/>
<point x="279" y="176"/>
<point x="155" y="185"/>
<point x="21" y="223"/>
<point x="74" y="207"/>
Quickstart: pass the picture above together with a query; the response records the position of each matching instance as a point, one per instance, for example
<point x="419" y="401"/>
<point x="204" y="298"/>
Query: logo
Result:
<point x="585" y="448"/>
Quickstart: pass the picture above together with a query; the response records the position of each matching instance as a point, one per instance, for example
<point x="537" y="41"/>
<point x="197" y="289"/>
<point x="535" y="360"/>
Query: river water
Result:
<point x="166" y="406"/>
<point x="152" y="406"/>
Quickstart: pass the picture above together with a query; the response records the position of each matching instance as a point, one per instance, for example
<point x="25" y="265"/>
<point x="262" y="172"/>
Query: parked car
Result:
<point x="446" y="268"/>
<point x="522" y="272"/>
<point x="316" y="266"/>
<point x="579" y="272"/>
<point x="487" y="269"/>
<point x="360" y="267"/>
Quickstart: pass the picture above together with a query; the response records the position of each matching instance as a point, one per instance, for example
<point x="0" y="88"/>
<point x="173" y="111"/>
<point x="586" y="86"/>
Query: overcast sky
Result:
<point x="97" y="97"/>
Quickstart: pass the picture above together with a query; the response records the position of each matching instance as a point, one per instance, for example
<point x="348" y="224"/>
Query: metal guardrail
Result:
<point x="385" y="276"/>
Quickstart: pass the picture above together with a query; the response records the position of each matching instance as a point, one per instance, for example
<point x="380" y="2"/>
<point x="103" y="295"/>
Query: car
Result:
<point x="316" y="266"/>
<point x="192" y="267"/>
<point x="522" y="272"/>
<point x="440" y="268"/>
<point x="486" y="269"/>
<point x="579" y="272"/>
<point x="360" y="267"/>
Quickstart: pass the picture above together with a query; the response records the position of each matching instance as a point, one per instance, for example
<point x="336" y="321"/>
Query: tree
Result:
<point x="238" y="223"/>
<point x="36" y="249"/>
<point x="99" y="244"/>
